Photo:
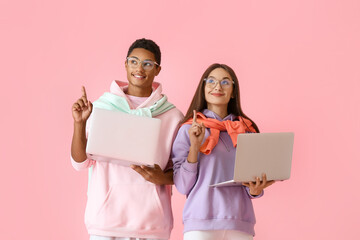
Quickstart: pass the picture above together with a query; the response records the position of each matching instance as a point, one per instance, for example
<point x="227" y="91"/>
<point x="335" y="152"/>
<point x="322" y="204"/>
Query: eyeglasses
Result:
<point x="147" y="65"/>
<point x="224" y="83"/>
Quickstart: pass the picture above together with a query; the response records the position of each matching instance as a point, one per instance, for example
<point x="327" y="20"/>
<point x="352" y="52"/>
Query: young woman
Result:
<point x="204" y="154"/>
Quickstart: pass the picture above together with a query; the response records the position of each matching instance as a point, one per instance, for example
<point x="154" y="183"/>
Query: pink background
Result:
<point x="298" y="66"/>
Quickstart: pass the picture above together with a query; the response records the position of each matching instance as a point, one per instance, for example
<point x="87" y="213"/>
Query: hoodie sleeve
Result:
<point x="82" y="165"/>
<point x="185" y="173"/>
<point x="88" y="162"/>
<point x="178" y="116"/>
<point x="252" y="196"/>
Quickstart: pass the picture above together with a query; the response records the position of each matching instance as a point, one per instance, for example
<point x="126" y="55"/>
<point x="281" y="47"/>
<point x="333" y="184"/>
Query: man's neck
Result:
<point x="139" y="92"/>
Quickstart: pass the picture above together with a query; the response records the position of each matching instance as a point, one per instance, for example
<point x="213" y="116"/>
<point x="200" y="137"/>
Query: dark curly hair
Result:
<point x="149" y="45"/>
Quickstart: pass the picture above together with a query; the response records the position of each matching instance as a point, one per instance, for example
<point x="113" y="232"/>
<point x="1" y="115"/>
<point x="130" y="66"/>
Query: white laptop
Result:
<point x="123" y="138"/>
<point x="258" y="153"/>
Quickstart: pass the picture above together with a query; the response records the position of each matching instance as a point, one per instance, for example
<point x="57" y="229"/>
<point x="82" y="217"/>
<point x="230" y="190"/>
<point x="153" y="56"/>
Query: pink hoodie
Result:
<point x="121" y="203"/>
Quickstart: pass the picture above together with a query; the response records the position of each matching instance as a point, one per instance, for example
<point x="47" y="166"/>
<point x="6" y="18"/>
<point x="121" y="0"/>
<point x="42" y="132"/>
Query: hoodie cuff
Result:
<point x="190" y="167"/>
<point x="82" y="165"/>
<point x="252" y="196"/>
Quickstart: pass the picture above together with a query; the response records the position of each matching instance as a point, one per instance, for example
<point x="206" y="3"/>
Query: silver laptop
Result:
<point x="123" y="138"/>
<point x="258" y="153"/>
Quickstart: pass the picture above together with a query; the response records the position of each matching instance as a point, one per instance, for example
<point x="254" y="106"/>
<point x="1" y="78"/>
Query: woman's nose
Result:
<point x="217" y="86"/>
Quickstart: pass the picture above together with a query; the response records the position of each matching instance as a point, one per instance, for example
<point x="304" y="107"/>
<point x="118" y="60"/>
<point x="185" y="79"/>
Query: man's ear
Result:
<point x="158" y="69"/>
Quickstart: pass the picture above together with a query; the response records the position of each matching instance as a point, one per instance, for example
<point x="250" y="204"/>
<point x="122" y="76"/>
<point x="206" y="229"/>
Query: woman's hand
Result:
<point x="82" y="108"/>
<point x="258" y="186"/>
<point x="196" y="133"/>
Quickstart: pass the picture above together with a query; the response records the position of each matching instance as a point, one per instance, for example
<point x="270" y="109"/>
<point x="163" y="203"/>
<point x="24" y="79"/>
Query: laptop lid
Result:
<point x="123" y="138"/>
<point x="258" y="153"/>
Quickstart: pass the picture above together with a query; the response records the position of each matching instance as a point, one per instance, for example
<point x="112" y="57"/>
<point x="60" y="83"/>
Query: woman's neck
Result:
<point x="220" y="110"/>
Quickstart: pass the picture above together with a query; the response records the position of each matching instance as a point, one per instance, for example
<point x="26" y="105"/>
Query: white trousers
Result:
<point x="217" y="235"/>
<point x="94" y="237"/>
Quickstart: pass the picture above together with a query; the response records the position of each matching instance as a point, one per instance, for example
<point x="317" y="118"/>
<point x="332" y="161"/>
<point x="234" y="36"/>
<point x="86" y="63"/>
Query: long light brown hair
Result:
<point x="199" y="103"/>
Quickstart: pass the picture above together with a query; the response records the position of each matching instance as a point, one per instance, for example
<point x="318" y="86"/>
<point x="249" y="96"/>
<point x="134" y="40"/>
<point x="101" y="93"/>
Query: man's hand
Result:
<point x="155" y="174"/>
<point x="82" y="108"/>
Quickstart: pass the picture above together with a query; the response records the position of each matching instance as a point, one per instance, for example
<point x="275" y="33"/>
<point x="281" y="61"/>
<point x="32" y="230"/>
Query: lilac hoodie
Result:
<point x="211" y="208"/>
<point x="121" y="203"/>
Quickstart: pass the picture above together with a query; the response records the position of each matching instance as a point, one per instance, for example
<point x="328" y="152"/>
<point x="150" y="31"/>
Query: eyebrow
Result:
<point x="142" y="60"/>
<point x="221" y="79"/>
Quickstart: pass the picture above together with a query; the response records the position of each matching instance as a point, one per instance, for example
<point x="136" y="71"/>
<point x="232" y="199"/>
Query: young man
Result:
<point x="123" y="202"/>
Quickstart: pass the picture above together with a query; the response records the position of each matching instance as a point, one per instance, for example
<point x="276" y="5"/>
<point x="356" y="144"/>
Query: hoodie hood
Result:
<point x="119" y="88"/>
